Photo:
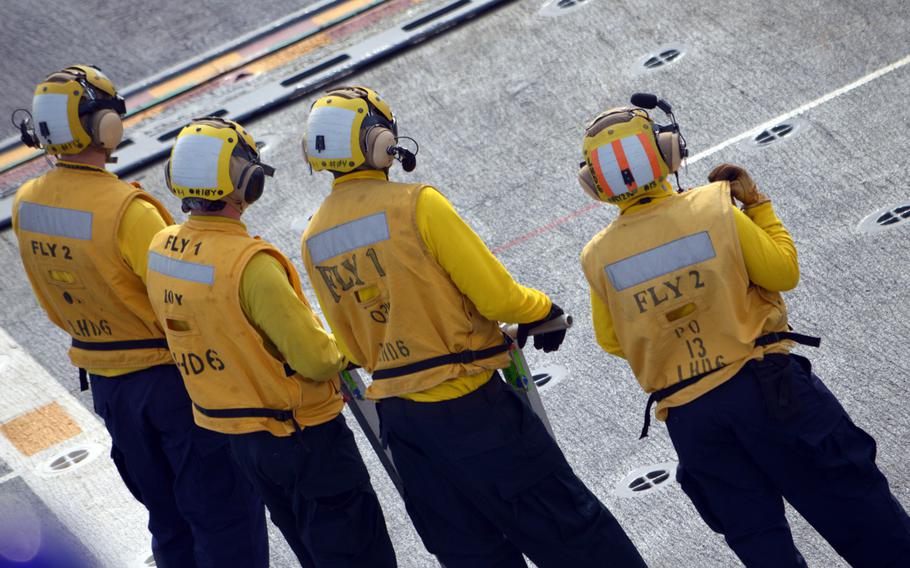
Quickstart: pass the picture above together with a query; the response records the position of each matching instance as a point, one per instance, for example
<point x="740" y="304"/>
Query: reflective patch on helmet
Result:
<point x="329" y="133"/>
<point x="661" y="260"/>
<point x="606" y="169"/>
<point x="641" y="159"/>
<point x="625" y="164"/>
<point x="52" y="123"/>
<point x="343" y="238"/>
<point x="194" y="162"/>
<point x="55" y="221"/>
<point x="181" y="269"/>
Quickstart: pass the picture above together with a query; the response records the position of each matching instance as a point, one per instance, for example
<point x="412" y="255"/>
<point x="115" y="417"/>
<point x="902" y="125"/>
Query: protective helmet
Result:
<point x="75" y="108"/>
<point x="214" y="160"/>
<point x="350" y="128"/>
<point x="626" y="157"/>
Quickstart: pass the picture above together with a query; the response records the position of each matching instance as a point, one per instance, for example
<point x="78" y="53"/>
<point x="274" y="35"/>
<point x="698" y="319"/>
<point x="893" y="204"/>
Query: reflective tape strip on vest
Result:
<point x="55" y="221"/>
<point x="182" y="269"/>
<point x="661" y="260"/>
<point x="347" y="237"/>
<point x="67" y="225"/>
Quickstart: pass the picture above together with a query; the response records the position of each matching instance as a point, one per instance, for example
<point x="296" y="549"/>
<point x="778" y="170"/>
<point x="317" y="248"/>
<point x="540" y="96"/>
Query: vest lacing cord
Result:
<point x="273" y="413"/>
<point x="766" y="339"/>
<point x="158" y="343"/>
<point x="462" y="357"/>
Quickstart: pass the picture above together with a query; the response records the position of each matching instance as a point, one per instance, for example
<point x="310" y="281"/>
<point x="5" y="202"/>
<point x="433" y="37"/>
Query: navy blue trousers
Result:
<point x="202" y="510"/>
<point x="319" y="495"/>
<point x="775" y="432"/>
<point x="484" y="482"/>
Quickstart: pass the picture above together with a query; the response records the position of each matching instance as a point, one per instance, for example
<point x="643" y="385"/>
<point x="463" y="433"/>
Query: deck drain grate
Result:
<point x="560" y="7"/>
<point x="886" y="218"/>
<point x="661" y="57"/>
<point x="69" y="460"/>
<point x="776" y="133"/>
<point x="545" y="378"/>
<point x="646" y="479"/>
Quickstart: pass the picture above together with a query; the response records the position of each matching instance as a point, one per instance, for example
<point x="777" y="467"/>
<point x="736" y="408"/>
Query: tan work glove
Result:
<point x="742" y="188"/>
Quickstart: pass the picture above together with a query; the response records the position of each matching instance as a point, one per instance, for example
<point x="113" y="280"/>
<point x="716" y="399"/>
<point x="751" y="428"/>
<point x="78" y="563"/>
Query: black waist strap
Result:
<point x="462" y="357"/>
<point x="767" y="339"/>
<point x="158" y="343"/>
<point x="775" y="337"/>
<point x="274" y="413"/>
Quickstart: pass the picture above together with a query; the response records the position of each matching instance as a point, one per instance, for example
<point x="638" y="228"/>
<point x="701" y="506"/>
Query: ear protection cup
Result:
<point x="586" y="180"/>
<point x="252" y="183"/>
<point x="106" y="129"/>
<point x="378" y="141"/>
<point x="670" y="149"/>
<point x="167" y="175"/>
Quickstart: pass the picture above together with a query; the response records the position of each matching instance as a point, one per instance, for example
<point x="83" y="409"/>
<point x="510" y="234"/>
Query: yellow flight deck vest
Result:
<point x="675" y="281"/>
<point x="67" y="222"/>
<point x="236" y="384"/>
<point x="387" y="298"/>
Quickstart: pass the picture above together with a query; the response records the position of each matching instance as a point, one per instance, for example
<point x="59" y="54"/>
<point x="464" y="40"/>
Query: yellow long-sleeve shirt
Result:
<point x="769" y="255"/>
<point x="475" y="271"/>
<point x="289" y="328"/>
<point x="140" y="222"/>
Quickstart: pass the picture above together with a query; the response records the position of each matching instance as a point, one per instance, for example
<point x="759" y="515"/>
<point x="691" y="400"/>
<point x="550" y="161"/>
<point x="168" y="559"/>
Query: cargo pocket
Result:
<point x="775" y="379"/>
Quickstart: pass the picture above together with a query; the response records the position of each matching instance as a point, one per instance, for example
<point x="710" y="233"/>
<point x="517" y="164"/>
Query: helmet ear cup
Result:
<point x="106" y="129"/>
<point x="252" y="182"/>
<point x="378" y="141"/>
<point x="167" y="175"/>
<point x="586" y="180"/>
<point x="668" y="143"/>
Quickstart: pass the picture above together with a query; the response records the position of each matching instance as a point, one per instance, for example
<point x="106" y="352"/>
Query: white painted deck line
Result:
<point x="801" y="109"/>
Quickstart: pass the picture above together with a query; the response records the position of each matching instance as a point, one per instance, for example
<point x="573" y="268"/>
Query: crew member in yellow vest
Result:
<point x="414" y="296"/>
<point x="686" y="287"/>
<point x="257" y="362"/>
<point x="83" y="237"/>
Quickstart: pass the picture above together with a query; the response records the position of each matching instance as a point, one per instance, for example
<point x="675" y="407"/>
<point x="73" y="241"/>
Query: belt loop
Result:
<point x="83" y="380"/>
<point x="647" y="425"/>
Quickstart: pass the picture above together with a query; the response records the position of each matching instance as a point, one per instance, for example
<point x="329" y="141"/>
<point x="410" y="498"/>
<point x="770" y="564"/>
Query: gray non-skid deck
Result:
<point x="498" y="107"/>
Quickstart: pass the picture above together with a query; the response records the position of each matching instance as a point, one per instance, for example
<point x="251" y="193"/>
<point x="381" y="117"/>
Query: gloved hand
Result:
<point x="742" y="188"/>
<point x="549" y="341"/>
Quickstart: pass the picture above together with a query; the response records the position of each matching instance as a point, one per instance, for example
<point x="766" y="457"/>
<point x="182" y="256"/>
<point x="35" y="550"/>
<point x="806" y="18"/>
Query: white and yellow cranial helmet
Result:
<point x="211" y="159"/>
<point x="350" y="128"/>
<point x="75" y="108"/>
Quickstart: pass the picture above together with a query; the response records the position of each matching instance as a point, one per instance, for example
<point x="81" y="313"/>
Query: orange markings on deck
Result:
<point x="40" y="429"/>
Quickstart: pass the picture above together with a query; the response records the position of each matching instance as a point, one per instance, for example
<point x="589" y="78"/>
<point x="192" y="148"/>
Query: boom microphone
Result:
<point x="649" y="101"/>
<point x="406" y="157"/>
